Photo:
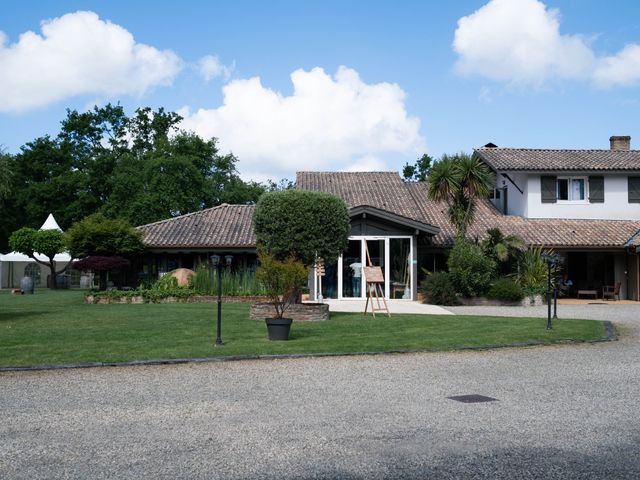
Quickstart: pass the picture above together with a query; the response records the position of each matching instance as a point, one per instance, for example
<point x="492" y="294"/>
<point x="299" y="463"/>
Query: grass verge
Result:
<point x="57" y="328"/>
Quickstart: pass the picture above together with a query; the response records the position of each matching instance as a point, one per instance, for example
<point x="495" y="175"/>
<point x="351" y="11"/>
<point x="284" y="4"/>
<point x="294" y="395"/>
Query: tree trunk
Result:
<point x="54" y="276"/>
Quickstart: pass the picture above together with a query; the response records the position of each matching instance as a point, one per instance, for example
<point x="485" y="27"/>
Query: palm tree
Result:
<point x="501" y="247"/>
<point x="459" y="180"/>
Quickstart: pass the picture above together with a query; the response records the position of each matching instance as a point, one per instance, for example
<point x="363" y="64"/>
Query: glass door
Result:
<point x="400" y="268"/>
<point x="352" y="270"/>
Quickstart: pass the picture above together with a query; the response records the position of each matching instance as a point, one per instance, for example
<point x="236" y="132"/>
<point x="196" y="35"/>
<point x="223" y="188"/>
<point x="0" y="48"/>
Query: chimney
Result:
<point x="620" y="143"/>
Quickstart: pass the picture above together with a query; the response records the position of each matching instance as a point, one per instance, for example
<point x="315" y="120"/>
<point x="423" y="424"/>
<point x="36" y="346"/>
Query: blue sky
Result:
<point x="376" y="83"/>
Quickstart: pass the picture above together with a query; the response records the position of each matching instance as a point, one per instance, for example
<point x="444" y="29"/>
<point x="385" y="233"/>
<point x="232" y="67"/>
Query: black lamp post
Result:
<point x="217" y="264"/>
<point x="552" y="260"/>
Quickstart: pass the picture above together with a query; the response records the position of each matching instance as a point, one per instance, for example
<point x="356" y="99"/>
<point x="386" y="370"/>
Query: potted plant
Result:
<point x="282" y="280"/>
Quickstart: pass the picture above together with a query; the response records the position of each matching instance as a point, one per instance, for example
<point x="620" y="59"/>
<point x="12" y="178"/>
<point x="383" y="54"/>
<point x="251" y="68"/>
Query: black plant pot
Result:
<point x="278" y="328"/>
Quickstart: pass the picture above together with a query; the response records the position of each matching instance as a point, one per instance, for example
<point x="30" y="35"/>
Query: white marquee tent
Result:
<point x="15" y="265"/>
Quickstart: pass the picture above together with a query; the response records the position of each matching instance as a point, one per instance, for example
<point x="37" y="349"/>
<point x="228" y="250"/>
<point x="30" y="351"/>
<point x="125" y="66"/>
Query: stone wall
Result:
<point x="300" y="312"/>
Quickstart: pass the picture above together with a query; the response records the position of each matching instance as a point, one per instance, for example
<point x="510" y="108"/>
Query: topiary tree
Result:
<point x="29" y="241"/>
<point x="304" y="225"/>
<point x="97" y="237"/>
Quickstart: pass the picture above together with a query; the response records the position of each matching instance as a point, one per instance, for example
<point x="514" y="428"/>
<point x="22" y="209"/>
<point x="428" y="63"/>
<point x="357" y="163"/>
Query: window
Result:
<point x="33" y="270"/>
<point x="571" y="189"/>
<point x="634" y="189"/>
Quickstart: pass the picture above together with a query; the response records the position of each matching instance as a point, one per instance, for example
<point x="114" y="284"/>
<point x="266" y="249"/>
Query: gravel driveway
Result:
<point x="561" y="412"/>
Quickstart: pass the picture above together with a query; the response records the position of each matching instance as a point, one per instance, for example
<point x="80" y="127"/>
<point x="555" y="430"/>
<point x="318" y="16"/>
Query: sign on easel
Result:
<point x="375" y="281"/>
<point x="373" y="274"/>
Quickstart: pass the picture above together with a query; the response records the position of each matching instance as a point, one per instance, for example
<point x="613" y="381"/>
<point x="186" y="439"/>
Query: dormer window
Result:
<point x="571" y="189"/>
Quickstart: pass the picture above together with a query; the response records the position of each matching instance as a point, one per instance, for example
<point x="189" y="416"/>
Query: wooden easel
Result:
<point x="375" y="280"/>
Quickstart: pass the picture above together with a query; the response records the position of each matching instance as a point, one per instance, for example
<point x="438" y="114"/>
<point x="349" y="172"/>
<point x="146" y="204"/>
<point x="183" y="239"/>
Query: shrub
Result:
<point x="242" y="283"/>
<point x="470" y="269"/>
<point x="282" y="280"/>
<point x="439" y="289"/>
<point x="533" y="271"/>
<point x="506" y="290"/>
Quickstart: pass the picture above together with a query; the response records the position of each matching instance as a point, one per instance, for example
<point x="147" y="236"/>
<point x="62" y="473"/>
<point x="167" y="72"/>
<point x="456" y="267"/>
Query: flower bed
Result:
<point x="138" y="297"/>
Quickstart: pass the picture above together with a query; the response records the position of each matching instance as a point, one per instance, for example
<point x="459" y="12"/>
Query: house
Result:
<point x="585" y="204"/>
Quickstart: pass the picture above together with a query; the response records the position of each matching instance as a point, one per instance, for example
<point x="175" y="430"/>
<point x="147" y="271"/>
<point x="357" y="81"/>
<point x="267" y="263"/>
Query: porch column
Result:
<point x="414" y="266"/>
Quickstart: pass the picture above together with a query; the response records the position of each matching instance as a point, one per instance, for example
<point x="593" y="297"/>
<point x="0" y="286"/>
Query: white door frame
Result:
<point x="363" y="260"/>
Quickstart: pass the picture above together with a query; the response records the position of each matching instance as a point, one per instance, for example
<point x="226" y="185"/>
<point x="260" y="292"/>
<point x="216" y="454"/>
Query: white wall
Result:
<point x="516" y="201"/>
<point x="615" y="207"/>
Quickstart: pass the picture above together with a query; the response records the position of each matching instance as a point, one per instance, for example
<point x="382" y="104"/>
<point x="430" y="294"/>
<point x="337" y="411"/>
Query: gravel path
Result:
<point x="562" y="412"/>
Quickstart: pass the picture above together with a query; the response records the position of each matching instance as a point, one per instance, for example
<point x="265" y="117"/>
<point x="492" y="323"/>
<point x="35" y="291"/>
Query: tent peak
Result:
<point x="50" y="224"/>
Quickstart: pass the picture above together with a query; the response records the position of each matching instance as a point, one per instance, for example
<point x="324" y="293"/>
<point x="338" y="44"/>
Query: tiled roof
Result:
<point x="502" y="159"/>
<point x="224" y="226"/>
<point x="544" y="231"/>
<point x="382" y="190"/>
<point x="231" y="226"/>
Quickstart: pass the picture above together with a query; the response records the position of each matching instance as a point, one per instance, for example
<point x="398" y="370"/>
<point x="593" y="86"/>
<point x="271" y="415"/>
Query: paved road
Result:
<point x="562" y="412"/>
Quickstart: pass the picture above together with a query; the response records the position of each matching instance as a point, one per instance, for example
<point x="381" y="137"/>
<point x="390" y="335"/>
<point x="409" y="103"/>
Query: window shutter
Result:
<point x="596" y="189"/>
<point x="548" y="188"/>
<point x="634" y="189"/>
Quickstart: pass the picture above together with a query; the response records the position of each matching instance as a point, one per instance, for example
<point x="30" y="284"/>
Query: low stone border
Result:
<point x="610" y="335"/>
<point x="300" y="312"/>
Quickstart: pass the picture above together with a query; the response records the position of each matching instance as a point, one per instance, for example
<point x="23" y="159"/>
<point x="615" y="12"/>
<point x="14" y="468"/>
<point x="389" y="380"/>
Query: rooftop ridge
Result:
<point x="199" y="212"/>
<point x="556" y="149"/>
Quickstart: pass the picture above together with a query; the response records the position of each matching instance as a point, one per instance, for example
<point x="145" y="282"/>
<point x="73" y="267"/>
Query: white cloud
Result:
<point x="210" y="68"/>
<point x="79" y="54"/>
<point x="519" y="41"/>
<point x="620" y="69"/>
<point x="328" y="123"/>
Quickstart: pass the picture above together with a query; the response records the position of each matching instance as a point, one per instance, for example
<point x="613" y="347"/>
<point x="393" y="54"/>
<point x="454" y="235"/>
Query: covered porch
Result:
<point x="591" y="271"/>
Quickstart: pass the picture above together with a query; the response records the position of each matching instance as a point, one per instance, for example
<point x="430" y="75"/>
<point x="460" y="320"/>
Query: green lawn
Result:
<point x="57" y="328"/>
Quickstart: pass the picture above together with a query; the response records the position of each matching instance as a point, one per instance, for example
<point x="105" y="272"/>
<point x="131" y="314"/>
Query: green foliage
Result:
<point x="22" y="241"/>
<point x="282" y="280"/>
<point x="506" y="290"/>
<point x="242" y="283"/>
<point x="419" y="171"/>
<point x="459" y="181"/>
<point x="6" y="175"/>
<point x="471" y="270"/>
<point x="98" y="235"/>
<point x="30" y="241"/>
<point x="164" y="283"/>
<point x="501" y="247"/>
<point x="302" y="224"/>
<point x="533" y="271"/>
<point x="141" y="168"/>
<point x="439" y="289"/>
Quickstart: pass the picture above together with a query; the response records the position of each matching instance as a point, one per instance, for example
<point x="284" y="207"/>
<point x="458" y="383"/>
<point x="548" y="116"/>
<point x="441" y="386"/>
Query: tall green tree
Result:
<point x="419" y="171"/>
<point x="30" y="241"/>
<point x="459" y="180"/>
<point x="101" y="243"/>
<point x="6" y="175"/>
